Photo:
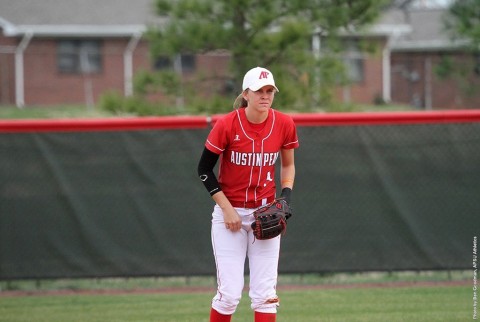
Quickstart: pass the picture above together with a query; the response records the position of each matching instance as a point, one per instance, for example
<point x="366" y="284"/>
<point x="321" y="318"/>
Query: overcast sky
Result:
<point x="434" y="3"/>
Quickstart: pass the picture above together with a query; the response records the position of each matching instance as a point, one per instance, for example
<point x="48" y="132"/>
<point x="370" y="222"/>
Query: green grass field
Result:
<point x="412" y="304"/>
<point x="77" y="111"/>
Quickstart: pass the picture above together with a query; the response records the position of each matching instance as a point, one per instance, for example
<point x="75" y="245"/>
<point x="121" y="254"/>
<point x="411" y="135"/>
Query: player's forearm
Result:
<point x="230" y="216"/>
<point x="221" y="200"/>
<point x="287" y="170"/>
<point x="287" y="176"/>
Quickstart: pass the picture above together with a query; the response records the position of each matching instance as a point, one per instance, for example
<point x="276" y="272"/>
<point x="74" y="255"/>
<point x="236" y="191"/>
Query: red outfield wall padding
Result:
<point x="385" y="118"/>
<point x="104" y="124"/>
<point x="192" y="122"/>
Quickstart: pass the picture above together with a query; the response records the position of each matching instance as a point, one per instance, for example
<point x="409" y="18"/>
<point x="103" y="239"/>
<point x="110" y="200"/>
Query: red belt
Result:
<point x="251" y="204"/>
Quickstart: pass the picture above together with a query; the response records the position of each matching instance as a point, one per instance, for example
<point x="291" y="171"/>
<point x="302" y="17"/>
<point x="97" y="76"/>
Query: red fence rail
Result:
<point x="192" y="122"/>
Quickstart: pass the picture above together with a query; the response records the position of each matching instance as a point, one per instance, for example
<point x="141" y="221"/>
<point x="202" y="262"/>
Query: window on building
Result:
<point x="350" y="52"/>
<point x="162" y="63"/>
<point x="354" y="61"/>
<point x="477" y="64"/>
<point x="188" y="63"/>
<point x="79" y="56"/>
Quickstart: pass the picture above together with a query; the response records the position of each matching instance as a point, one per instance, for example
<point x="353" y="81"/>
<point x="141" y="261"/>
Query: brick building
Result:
<point x="417" y="55"/>
<point x="71" y="52"/>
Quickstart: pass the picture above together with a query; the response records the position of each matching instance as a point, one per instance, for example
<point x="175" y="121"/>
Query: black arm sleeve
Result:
<point x="205" y="171"/>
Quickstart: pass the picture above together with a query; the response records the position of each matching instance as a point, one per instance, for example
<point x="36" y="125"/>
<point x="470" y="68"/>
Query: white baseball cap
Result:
<point x="258" y="77"/>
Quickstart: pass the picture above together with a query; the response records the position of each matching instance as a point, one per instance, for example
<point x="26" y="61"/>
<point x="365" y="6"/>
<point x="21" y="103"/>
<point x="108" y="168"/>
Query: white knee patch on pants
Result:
<point x="225" y="305"/>
<point x="266" y="305"/>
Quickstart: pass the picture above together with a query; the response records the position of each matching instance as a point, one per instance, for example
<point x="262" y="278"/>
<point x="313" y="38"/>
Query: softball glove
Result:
<point x="271" y="220"/>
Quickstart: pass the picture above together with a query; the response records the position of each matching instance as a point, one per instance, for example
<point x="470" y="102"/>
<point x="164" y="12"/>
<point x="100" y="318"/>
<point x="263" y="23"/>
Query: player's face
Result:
<point x="262" y="99"/>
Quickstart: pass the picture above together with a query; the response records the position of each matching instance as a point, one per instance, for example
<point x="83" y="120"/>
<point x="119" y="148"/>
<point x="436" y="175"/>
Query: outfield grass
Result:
<point x="179" y="282"/>
<point x="412" y="304"/>
<point x="70" y="111"/>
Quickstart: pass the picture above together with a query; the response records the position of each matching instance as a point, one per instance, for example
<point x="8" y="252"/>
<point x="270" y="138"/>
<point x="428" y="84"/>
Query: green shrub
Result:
<point x="112" y="102"/>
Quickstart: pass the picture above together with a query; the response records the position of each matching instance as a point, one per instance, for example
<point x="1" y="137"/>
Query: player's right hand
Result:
<point x="232" y="219"/>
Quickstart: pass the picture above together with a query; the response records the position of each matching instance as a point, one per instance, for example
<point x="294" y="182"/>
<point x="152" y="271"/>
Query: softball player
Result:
<point x="249" y="140"/>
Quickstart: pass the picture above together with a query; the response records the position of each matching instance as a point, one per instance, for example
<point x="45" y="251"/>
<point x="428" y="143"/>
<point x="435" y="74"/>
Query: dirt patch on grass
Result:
<point x="206" y="289"/>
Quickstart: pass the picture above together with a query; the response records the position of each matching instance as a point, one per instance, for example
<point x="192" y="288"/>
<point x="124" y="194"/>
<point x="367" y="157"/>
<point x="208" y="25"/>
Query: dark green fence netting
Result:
<point x="129" y="203"/>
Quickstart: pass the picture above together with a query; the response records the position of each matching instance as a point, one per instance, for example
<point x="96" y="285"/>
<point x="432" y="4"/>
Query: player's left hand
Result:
<point x="271" y="220"/>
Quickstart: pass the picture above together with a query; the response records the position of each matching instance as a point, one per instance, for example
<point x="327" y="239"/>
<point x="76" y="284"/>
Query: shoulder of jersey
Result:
<point x="283" y="116"/>
<point x="226" y="118"/>
<point x="233" y="115"/>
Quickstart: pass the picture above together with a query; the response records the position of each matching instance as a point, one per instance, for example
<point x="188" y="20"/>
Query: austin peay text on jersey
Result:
<point x="253" y="159"/>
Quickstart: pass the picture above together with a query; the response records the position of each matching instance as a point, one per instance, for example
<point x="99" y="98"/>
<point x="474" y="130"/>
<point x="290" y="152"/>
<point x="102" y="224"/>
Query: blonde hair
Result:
<point x="240" y="102"/>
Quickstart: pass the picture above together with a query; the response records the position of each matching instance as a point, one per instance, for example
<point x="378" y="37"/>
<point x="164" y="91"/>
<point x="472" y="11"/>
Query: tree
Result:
<point x="276" y="34"/>
<point x="463" y="23"/>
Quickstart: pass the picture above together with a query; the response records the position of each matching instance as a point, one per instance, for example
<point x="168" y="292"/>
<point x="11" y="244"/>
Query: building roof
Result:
<point x="428" y="31"/>
<point x="412" y="28"/>
<point x="76" y="17"/>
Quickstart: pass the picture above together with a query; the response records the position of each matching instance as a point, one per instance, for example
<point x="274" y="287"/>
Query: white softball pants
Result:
<point x="230" y="250"/>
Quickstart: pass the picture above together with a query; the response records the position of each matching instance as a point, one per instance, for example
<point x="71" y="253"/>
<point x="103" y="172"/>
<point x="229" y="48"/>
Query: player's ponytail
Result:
<point x="239" y="102"/>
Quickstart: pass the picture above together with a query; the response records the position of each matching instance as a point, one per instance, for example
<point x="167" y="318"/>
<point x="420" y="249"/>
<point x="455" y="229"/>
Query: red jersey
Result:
<point x="248" y="153"/>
